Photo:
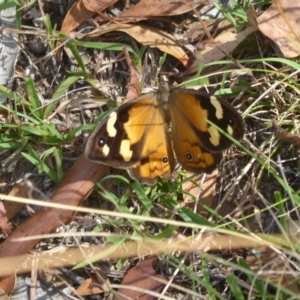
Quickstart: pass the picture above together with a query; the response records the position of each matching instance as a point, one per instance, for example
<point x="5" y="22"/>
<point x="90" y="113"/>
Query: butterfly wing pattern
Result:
<point x="137" y="135"/>
<point x="134" y="137"/>
<point x="197" y="143"/>
<point x="157" y="159"/>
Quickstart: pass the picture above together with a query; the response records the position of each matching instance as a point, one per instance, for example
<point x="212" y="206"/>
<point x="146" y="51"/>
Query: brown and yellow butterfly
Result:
<point x="141" y="134"/>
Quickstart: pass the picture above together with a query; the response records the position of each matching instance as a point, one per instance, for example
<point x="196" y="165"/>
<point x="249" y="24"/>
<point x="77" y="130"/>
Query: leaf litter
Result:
<point x="106" y="25"/>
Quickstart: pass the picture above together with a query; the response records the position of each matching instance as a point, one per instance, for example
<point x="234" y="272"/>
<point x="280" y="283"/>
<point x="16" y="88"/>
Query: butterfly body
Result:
<point x="141" y="134"/>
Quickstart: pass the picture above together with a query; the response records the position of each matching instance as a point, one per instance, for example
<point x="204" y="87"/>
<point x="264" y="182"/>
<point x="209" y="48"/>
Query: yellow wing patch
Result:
<point x="157" y="159"/>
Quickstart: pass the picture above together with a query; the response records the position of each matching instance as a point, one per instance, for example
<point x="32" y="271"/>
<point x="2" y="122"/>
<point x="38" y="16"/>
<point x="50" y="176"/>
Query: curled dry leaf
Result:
<point x="133" y="88"/>
<point x="146" y="35"/>
<point x="280" y="22"/>
<point x="285" y="136"/>
<point x="146" y="8"/>
<point x="81" y="11"/>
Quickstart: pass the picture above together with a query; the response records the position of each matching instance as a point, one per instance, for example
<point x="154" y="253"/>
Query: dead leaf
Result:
<point x="223" y="44"/>
<point x="89" y="287"/>
<point x="97" y="6"/>
<point x="206" y="194"/>
<point x="75" y="187"/>
<point x="81" y="11"/>
<point x="274" y="267"/>
<point x="142" y="277"/>
<point x="133" y="88"/>
<point x="148" y="36"/>
<point x="12" y="208"/>
<point x="285" y="136"/>
<point x="7" y="285"/>
<point x="281" y="24"/>
<point x="3" y="296"/>
<point x="146" y="8"/>
<point x="251" y="16"/>
<point x="198" y="30"/>
<point x="4" y="226"/>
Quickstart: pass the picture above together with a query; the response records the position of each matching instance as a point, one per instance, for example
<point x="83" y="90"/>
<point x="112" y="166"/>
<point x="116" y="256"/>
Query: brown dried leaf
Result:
<point x="97" y="6"/>
<point x="275" y="268"/>
<point x="198" y="30"/>
<point x="207" y="191"/>
<point x="149" y="36"/>
<point x="224" y="43"/>
<point x="146" y="8"/>
<point x="285" y="136"/>
<point x="12" y="208"/>
<point x="3" y="296"/>
<point x="4" y="226"/>
<point x="280" y="22"/>
<point x="81" y="11"/>
<point x="251" y="16"/>
<point x="89" y="287"/>
<point x="143" y="277"/>
<point x="73" y="190"/>
<point x="7" y="285"/>
<point x="133" y="89"/>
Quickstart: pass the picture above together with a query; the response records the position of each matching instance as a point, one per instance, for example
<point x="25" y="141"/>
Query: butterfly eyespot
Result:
<point x="230" y="121"/>
<point x="101" y="142"/>
<point x="189" y="156"/>
<point x="165" y="160"/>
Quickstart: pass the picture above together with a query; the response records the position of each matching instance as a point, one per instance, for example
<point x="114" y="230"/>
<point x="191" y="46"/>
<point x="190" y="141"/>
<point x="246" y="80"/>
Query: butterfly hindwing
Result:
<point x="187" y="144"/>
<point x="157" y="159"/>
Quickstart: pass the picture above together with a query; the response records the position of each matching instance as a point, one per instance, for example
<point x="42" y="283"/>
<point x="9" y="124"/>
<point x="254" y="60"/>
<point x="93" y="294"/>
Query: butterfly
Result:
<point x="143" y="134"/>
